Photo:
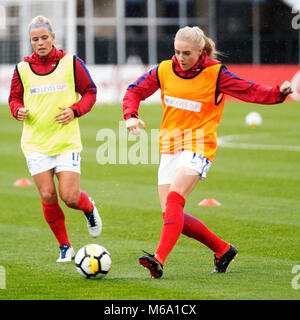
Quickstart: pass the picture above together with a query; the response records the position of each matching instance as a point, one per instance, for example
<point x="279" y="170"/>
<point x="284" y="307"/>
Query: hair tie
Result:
<point x="40" y="24"/>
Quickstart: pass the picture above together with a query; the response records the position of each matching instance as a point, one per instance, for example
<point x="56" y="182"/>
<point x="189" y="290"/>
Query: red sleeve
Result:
<point x="253" y="92"/>
<point x="86" y="87"/>
<point x="140" y="90"/>
<point x="15" y="99"/>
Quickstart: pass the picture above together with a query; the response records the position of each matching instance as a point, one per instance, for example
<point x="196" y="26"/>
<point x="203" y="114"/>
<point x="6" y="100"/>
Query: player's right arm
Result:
<point x="140" y="90"/>
<point x="15" y="99"/>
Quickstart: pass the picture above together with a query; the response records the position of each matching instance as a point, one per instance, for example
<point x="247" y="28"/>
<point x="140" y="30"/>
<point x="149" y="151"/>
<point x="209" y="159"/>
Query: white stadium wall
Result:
<point x="112" y="80"/>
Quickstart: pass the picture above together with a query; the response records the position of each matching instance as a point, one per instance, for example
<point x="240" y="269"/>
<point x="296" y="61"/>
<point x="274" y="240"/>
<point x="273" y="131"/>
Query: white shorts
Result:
<point x="182" y="159"/>
<point x="38" y="162"/>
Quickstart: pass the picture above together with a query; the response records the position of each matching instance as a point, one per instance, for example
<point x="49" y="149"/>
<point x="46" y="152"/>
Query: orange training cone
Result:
<point x="22" y="183"/>
<point x="209" y="202"/>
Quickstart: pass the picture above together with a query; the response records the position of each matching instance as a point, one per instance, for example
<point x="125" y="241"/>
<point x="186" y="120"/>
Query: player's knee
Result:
<point x="48" y="196"/>
<point x="70" y="199"/>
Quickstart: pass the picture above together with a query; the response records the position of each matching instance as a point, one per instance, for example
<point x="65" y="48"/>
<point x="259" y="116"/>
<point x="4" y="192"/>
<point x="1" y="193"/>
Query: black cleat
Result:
<point x="149" y="261"/>
<point x="223" y="262"/>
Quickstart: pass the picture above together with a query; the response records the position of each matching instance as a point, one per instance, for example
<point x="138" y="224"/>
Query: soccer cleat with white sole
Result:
<point x="66" y="253"/>
<point x="94" y="222"/>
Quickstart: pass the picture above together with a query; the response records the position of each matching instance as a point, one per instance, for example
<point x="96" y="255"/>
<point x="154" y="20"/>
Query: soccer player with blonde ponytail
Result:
<point x="193" y="87"/>
<point x="196" y="36"/>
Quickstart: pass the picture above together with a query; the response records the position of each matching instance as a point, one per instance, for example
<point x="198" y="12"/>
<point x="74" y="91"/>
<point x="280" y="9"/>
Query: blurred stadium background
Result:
<point x="120" y="39"/>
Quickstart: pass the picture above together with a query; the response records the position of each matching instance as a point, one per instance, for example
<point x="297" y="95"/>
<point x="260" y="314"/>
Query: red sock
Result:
<point x="84" y="203"/>
<point x="194" y="228"/>
<point x="56" y="221"/>
<point x="172" y="227"/>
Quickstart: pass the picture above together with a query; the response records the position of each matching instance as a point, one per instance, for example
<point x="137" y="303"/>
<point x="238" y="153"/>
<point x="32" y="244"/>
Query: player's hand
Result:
<point x="286" y="88"/>
<point x="64" y="117"/>
<point x="22" y="114"/>
<point x="132" y="124"/>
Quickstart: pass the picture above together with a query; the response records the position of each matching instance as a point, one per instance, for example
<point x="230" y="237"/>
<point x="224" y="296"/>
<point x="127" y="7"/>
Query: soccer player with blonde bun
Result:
<point x="193" y="87"/>
<point x="44" y="95"/>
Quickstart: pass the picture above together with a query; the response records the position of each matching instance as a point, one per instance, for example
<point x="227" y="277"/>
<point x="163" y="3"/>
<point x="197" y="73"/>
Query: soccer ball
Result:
<point x="93" y="261"/>
<point x="253" y="120"/>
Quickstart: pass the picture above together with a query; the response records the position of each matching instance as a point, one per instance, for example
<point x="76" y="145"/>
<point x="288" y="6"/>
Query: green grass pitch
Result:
<point x="258" y="188"/>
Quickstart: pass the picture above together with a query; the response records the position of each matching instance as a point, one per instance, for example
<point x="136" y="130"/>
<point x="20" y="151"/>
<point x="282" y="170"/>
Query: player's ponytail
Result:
<point x="197" y="37"/>
<point x="210" y="47"/>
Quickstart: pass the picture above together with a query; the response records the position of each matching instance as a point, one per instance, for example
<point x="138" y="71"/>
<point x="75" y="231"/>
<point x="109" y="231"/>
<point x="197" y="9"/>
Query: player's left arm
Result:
<point x="286" y="88"/>
<point x="86" y="87"/>
<point x="236" y="87"/>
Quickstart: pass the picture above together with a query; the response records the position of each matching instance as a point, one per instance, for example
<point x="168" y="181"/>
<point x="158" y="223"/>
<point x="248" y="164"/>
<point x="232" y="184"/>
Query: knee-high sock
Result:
<point x="172" y="227"/>
<point x="56" y="221"/>
<point x="84" y="203"/>
<point x="194" y="228"/>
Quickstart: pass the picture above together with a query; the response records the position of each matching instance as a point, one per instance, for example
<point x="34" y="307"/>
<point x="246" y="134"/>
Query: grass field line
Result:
<point x="228" y="142"/>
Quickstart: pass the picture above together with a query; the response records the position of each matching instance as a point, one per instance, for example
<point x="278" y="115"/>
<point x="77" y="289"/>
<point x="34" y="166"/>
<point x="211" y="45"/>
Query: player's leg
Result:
<point x="194" y="228"/>
<point x="182" y="185"/>
<point x="53" y="213"/>
<point x="163" y="191"/>
<point x="69" y="190"/>
<point x="174" y="196"/>
<point x="223" y="251"/>
<point x="70" y="193"/>
<point x="46" y="187"/>
<point x="67" y="169"/>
